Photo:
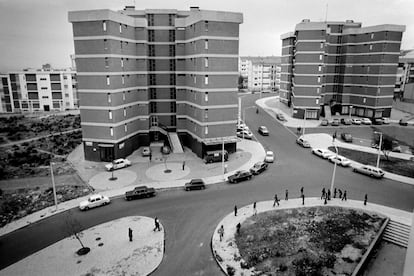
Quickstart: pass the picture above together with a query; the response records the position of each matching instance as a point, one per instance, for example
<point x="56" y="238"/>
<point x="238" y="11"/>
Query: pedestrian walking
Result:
<point x="150" y="156"/>
<point x="329" y="194"/>
<point x="365" y="199"/>
<point x="220" y="231"/>
<point x="301" y="191"/>
<point x="235" y="210"/>
<point x="303" y="199"/>
<point x="340" y="193"/>
<point x="254" y="209"/>
<point x="334" y="137"/>
<point x="286" y="194"/>
<point x="323" y="193"/>
<point x="157" y="224"/>
<point x="276" y="201"/>
<point x="335" y="193"/>
<point x="344" y="197"/>
<point x="238" y="226"/>
<point x="325" y="201"/>
<point x="130" y="234"/>
<point x="183" y="165"/>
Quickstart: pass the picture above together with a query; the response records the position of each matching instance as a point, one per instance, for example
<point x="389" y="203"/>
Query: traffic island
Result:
<point x="111" y="251"/>
<point x="284" y="240"/>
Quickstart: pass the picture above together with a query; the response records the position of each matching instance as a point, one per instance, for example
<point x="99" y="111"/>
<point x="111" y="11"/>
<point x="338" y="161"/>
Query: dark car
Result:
<point x="263" y="131"/>
<point x="215" y="156"/>
<point x="377" y="121"/>
<point x="195" y="184"/>
<point x="347" y="137"/>
<point x="140" y="192"/>
<point x="346" y="121"/>
<point x="403" y="122"/>
<point x="259" y="167"/>
<point x="280" y="117"/>
<point x="240" y="176"/>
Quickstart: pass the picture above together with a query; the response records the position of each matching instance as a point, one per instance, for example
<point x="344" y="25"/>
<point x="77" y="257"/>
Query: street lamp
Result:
<point x="334" y="169"/>
<point x="53" y="185"/>
<point x="261" y="84"/>
<point x="304" y="124"/>
<point x="379" y="147"/>
<point x="350" y="109"/>
<point x="244" y="115"/>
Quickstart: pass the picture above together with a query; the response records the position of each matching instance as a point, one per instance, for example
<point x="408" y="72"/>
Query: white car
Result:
<point x="366" y="121"/>
<point x="369" y="170"/>
<point x="246" y="134"/>
<point x="356" y="121"/>
<point x="324" y="153"/>
<point x="270" y="157"/>
<point x="146" y="151"/>
<point x="118" y="164"/>
<point x="94" y="201"/>
<point x="340" y="160"/>
<point x="386" y="121"/>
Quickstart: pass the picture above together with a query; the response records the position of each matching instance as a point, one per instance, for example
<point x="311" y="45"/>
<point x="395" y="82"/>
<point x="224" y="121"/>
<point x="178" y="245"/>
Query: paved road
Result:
<point x="190" y="217"/>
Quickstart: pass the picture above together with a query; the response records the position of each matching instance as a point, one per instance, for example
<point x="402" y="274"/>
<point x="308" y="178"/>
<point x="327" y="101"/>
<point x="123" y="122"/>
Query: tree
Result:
<point x="240" y="82"/>
<point x="387" y="144"/>
<point x="73" y="228"/>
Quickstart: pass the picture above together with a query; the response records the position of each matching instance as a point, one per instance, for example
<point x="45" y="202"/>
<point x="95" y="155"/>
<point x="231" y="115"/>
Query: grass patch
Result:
<point x="307" y="241"/>
<point x="392" y="165"/>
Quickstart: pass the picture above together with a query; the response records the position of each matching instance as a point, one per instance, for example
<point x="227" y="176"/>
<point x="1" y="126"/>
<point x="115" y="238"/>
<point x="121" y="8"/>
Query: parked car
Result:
<point x="280" y="117"/>
<point x="140" y="192"/>
<point x="377" y="121"/>
<point x="263" y="131"/>
<point x="239" y="176"/>
<point x="346" y="121"/>
<point x="94" y="201"/>
<point x="366" y="121"/>
<point x="356" y="121"/>
<point x="215" y="156"/>
<point x="195" y="184"/>
<point x="324" y="153"/>
<point x="246" y="134"/>
<point x="270" y="157"/>
<point x="386" y="121"/>
<point x="403" y="122"/>
<point x="301" y="141"/>
<point x="146" y="151"/>
<point x="369" y="170"/>
<point x="242" y="127"/>
<point x="324" y="122"/>
<point x="259" y="167"/>
<point x="347" y="137"/>
<point x="335" y="122"/>
<point x="165" y="150"/>
<point x="340" y="160"/>
<point x="118" y="164"/>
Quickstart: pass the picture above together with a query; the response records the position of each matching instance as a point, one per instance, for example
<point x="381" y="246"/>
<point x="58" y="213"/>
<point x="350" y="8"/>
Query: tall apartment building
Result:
<point x="404" y="85"/>
<point x="38" y="90"/>
<point x="261" y="73"/>
<point x="156" y="75"/>
<point x="340" y="67"/>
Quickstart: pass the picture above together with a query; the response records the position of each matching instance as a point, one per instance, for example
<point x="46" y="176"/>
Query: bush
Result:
<point x="230" y="270"/>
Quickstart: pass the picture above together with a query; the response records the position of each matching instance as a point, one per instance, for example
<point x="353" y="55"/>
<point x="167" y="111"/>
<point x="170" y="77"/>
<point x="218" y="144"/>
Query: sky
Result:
<point x="35" y="32"/>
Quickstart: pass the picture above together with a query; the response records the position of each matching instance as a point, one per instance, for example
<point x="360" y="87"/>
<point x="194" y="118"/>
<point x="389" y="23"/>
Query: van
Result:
<point x="215" y="156"/>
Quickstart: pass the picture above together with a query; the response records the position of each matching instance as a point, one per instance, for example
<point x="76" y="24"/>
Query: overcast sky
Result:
<point x="34" y="32"/>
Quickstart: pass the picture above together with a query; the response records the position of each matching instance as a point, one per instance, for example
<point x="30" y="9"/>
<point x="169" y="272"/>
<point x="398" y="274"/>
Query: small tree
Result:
<point x="387" y="144"/>
<point x="74" y="229"/>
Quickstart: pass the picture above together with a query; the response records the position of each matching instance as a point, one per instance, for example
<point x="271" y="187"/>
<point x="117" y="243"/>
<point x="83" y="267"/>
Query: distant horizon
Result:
<point x="38" y="32"/>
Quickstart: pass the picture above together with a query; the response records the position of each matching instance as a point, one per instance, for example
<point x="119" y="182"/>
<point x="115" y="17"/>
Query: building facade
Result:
<point x="404" y="85"/>
<point x="261" y="73"/>
<point x="149" y="76"/>
<point x="38" y="90"/>
<point x="340" y="68"/>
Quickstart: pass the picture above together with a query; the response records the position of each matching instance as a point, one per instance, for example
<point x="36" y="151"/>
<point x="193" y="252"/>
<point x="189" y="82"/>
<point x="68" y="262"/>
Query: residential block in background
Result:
<point x="340" y="68"/>
<point x="156" y="76"/>
<point x="260" y="73"/>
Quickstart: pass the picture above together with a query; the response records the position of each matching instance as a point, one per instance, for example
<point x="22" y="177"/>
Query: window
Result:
<point x="120" y="28"/>
<point x="108" y="81"/>
<point x="126" y="127"/>
<point x="317" y="101"/>
<point x="105" y="44"/>
<point x="123" y="79"/>
<point x="206" y="44"/>
<point x="106" y="63"/>
<point x="206" y="130"/>
<point x="109" y="98"/>
<point x="122" y="62"/>
<point x="104" y="26"/>
<point x="45" y="97"/>
<point x="321" y="45"/>
<point x="110" y="115"/>
<point x="123" y="96"/>
<point x="206" y="80"/>
<point x="206" y="26"/>
<point x="364" y="100"/>
<point x="319" y="79"/>
<point x="206" y="62"/>
<point x="124" y="112"/>
<point x="319" y="68"/>
<point x="65" y="77"/>
<point x="206" y="96"/>
<point x="320" y="57"/>
<point x="195" y="79"/>
<point x="206" y="114"/>
<point x="370" y="47"/>
<point x="372" y="36"/>
<point x="111" y="131"/>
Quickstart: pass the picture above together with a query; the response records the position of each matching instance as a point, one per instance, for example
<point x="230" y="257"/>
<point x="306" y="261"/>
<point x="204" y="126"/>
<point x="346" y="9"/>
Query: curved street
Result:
<point x="190" y="218"/>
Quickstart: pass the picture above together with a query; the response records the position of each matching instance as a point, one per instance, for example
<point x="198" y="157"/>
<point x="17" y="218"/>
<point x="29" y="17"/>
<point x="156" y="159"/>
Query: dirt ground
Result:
<point x="388" y="260"/>
<point x="43" y="182"/>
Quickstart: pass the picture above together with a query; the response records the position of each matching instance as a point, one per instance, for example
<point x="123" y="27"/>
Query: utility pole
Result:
<point x="53" y="185"/>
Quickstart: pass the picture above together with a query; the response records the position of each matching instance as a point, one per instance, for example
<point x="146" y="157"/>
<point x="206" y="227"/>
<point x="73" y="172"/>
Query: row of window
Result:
<point x="151" y="23"/>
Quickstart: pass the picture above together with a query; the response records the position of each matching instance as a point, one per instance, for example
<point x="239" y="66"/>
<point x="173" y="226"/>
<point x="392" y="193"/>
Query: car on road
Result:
<point x="140" y="192"/>
<point x="165" y="150"/>
<point x="386" y="121"/>
<point x="335" y="122"/>
<point x="242" y="127"/>
<point x="270" y="157"/>
<point x="246" y="134"/>
<point x="94" y="201"/>
<point x="340" y="160"/>
<point x="259" y="167"/>
<point x="369" y="170"/>
<point x="118" y="164"/>
<point x="366" y="121"/>
<point x="216" y="156"/>
<point x="347" y="137"/>
<point x="324" y="122"/>
<point x="302" y="142"/>
<point x="263" y="131"/>
<point x="280" y="117"/>
<point x="240" y="176"/>
<point x="403" y="122"/>
<point x="146" y="151"/>
<point x="324" y="153"/>
<point x="346" y="121"/>
<point x="356" y="121"/>
<point x="195" y="184"/>
<point x="377" y="121"/>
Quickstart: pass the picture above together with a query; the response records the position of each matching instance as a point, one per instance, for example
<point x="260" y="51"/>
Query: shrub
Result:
<point x="283" y="267"/>
<point x="230" y="270"/>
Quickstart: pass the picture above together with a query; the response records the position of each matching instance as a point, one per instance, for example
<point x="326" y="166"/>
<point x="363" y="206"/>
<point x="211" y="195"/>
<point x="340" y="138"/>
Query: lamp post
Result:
<point x="379" y="147"/>
<point x="244" y="116"/>
<point x="53" y="185"/>
<point x="261" y="83"/>
<point x="350" y="109"/>
<point x="334" y="169"/>
<point x="304" y="124"/>
<point x="222" y="157"/>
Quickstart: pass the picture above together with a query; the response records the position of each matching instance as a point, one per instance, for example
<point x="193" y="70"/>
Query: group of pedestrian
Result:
<point x="326" y="194"/>
<point x="157" y="228"/>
